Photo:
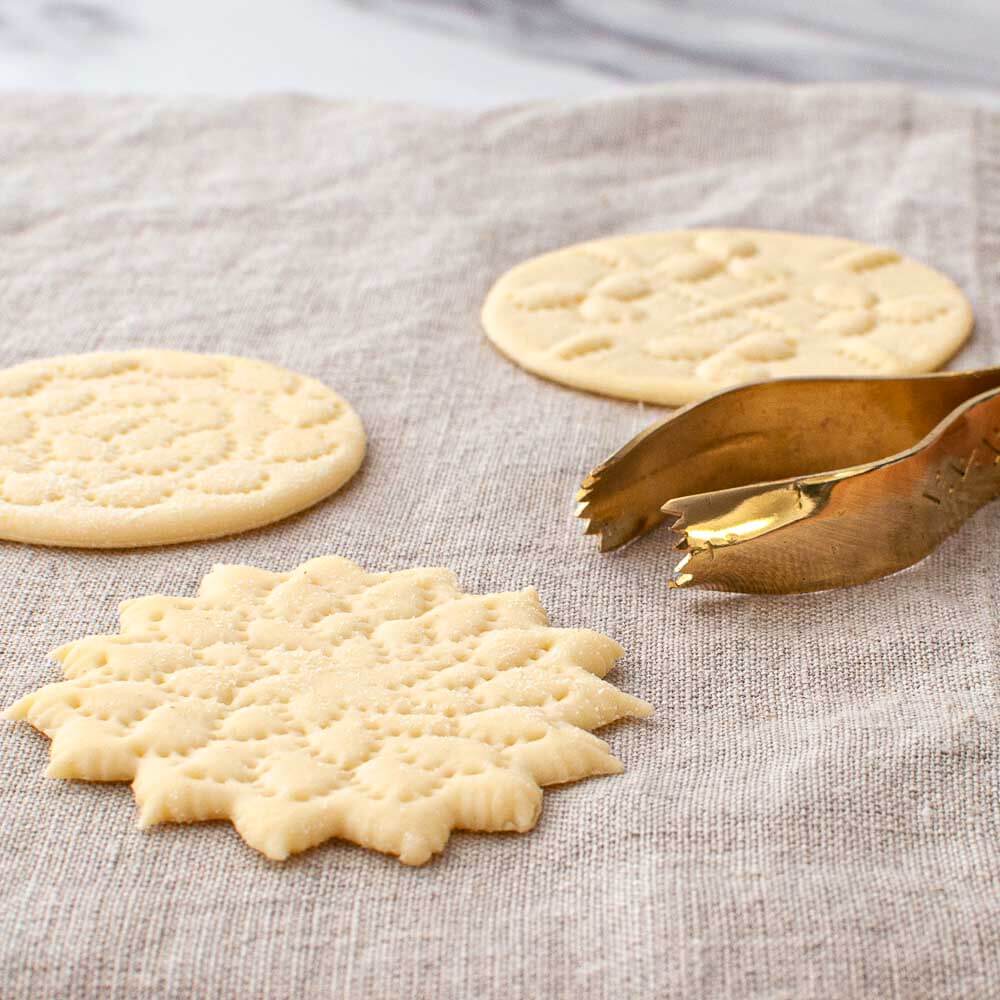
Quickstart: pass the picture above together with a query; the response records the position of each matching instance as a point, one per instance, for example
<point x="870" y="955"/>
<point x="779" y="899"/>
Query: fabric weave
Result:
<point x="813" y="809"/>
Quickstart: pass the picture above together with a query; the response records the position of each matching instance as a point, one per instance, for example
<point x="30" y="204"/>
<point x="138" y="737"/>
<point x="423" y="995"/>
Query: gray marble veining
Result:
<point x="40" y="24"/>
<point x="487" y="52"/>
<point x="931" y="42"/>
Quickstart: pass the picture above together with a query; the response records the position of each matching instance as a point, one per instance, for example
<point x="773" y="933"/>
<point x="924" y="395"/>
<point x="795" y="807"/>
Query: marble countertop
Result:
<point x="478" y="53"/>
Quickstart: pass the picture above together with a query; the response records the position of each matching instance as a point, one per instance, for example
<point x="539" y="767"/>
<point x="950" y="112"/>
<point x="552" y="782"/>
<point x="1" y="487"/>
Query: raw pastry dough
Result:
<point x="150" y="447"/>
<point x="385" y="708"/>
<point x="671" y="317"/>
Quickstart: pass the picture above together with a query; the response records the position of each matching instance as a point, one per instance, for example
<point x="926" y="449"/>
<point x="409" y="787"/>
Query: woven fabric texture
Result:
<point x="812" y="811"/>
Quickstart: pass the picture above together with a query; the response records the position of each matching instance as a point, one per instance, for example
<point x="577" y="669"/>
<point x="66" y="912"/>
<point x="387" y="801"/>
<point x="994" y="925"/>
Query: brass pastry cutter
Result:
<point x="804" y="484"/>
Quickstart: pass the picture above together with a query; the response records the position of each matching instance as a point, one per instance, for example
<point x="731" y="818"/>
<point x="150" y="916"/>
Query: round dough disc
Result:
<point x="672" y="317"/>
<point x="151" y="447"/>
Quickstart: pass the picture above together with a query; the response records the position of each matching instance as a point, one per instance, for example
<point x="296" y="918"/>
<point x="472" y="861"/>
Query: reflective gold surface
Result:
<point x="806" y="484"/>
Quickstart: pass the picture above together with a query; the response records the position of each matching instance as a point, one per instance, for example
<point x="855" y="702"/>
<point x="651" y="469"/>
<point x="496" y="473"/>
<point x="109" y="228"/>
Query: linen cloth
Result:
<point x="813" y="809"/>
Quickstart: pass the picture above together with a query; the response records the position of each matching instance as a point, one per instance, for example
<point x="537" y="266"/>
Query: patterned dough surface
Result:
<point x="151" y="447"/>
<point x="386" y="709"/>
<point x="672" y="317"/>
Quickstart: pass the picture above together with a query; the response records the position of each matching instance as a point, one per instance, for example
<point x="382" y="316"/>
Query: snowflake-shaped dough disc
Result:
<point x="385" y="709"/>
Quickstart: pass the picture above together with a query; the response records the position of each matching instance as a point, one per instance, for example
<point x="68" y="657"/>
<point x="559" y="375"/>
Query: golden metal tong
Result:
<point x="804" y="484"/>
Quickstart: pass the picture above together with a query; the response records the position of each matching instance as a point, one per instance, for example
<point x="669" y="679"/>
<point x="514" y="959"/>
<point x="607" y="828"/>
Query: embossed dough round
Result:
<point x="672" y="317"/>
<point x="385" y="708"/>
<point x="152" y="447"/>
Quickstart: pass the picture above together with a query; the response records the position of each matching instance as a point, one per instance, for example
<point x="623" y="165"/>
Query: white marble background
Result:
<point x="484" y="52"/>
